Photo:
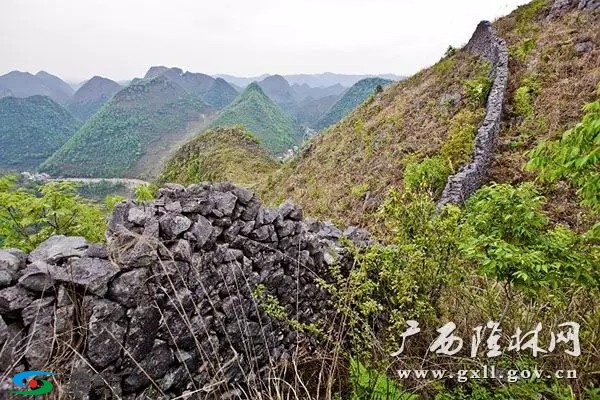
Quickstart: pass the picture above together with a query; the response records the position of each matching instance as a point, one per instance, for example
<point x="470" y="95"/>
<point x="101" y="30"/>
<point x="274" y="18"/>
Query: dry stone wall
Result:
<point x="486" y="43"/>
<point x="173" y="304"/>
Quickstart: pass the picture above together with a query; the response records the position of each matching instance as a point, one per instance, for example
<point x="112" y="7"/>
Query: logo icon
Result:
<point x="36" y="386"/>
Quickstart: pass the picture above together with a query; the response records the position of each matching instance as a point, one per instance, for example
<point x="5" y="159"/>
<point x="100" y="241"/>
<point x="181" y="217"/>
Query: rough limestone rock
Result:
<point x="58" y="248"/>
<point x="173" y="303"/>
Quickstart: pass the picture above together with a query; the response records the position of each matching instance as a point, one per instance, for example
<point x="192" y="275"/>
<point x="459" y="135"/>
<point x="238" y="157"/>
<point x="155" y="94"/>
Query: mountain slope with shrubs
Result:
<point x="258" y="114"/>
<point x="222" y="154"/>
<point x="130" y="135"/>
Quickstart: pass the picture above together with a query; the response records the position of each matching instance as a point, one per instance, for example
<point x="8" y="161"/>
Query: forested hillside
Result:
<point x="31" y="129"/>
<point x="259" y="115"/>
<point x="130" y="125"/>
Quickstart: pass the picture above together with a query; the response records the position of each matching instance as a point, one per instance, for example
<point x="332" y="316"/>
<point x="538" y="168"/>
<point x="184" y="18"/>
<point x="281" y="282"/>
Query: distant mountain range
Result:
<point x="91" y="96"/>
<point x="24" y="84"/>
<point x="354" y="96"/>
<point x="104" y="129"/>
<point x="313" y="80"/>
<point x="216" y="92"/>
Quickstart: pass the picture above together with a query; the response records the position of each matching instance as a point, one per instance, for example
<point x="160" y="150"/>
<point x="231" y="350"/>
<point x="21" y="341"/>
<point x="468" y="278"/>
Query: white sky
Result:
<point x="121" y="39"/>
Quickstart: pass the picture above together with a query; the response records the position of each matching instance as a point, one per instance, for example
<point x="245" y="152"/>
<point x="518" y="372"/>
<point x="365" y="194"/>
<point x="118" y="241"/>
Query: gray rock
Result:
<point x="584" y="47"/>
<point x="127" y="289"/>
<point x="40" y="310"/>
<point x="181" y="251"/>
<point x="58" y="248"/>
<point x="6" y="278"/>
<point x="9" y="265"/>
<point x="137" y="216"/>
<point x="97" y="250"/>
<point x="202" y="229"/>
<point x="152" y="367"/>
<point x="589" y="5"/>
<point x="3" y="331"/>
<point x="173" y="225"/>
<point x="106" y="332"/>
<point x="91" y="274"/>
<point x="224" y="202"/>
<point x="173" y="207"/>
<point x="40" y="342"/>
<point x="143" y="328"/>
<point x="21" y="255"/>
<point x="287" y="228"/>
<point x="40" y="276"/>
<point x="263" y="233"/>
<point x="14" y="298"/>
<point x="63" y="319"/>
<point x="244" y="195"/>
<point x="290" y="210"/>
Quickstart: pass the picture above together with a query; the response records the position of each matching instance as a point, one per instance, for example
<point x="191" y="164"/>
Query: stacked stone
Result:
<point x="485" y="43"/>
<point x="169" y="306"/>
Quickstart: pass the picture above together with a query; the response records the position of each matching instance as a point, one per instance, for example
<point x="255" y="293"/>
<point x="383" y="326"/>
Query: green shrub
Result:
<point x="575" y="157"/>
<point x="430" y="174"/>
<point x="522" y="50"/>
<point x="370" y="384"/>
<point x="458" y="148"/>
<point x="511" y="238"/>
<point x="27" y="219"/>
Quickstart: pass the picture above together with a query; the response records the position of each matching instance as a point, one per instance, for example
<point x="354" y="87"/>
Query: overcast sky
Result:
<point x="121" y="39"/>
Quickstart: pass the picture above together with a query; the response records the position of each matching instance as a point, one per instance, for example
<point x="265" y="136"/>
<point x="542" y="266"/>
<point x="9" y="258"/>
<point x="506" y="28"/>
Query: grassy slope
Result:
<point x="223" y="154"/>
<point x="119" y="135"/>
<point x="31" y="130"/>
<point x="562" y="81"/>
<point x="345" y="172"/>
<point x="359" y="159"/>
<point x="262" y="117"/>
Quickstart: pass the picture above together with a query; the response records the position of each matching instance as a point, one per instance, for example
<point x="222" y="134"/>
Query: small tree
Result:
<point x="27" y="218"/>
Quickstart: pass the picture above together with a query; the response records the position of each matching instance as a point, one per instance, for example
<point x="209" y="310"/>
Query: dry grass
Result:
<point x="345" y="172"/>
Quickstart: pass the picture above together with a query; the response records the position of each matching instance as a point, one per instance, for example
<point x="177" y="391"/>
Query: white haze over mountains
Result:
<point x="77" y="39"/>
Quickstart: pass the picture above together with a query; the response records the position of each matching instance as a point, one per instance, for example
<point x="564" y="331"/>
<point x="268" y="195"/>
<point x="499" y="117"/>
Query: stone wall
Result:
<point x="487" y="44"/>
<point x="171" y="304"/>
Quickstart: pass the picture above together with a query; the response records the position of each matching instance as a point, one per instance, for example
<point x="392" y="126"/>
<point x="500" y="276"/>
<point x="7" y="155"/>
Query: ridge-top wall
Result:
<point x="486" y="43"/>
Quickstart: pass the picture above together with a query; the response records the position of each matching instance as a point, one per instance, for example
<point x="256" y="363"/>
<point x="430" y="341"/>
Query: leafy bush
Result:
<point x="524" y="95"/>
<point x="370" y="384"/>
<point x="522" y="50"/>
<point x="478" y="88"/>
<point x="430" y="174"/>
<point x="575" y="157"/>
<point x="512" y="240"/>
<point x="27" y="219"/>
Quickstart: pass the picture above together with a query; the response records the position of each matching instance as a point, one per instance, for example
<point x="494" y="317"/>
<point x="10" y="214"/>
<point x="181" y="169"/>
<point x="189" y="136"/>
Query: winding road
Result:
<point x="129" y="183"/>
